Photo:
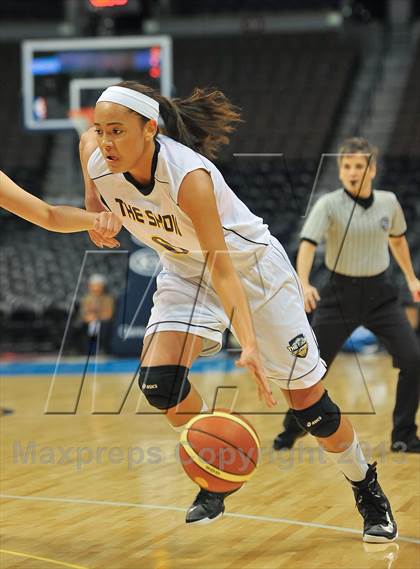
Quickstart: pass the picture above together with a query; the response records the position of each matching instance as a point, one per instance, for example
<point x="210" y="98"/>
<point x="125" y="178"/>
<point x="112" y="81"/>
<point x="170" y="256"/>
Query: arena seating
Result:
<point x="405" y="140"/>
<point x="401" y="174"/>
<point x="39" y="272"/>
<point x="281" y="72"/>
<point x="402" y="165"/>
<point x="11" y="10"/>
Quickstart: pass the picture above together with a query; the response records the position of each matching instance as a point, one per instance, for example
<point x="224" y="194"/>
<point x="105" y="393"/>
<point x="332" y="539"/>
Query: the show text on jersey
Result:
<point x="167" y="222"/>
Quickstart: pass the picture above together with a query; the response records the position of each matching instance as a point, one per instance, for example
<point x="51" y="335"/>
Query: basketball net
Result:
<point x="82" y="118"/>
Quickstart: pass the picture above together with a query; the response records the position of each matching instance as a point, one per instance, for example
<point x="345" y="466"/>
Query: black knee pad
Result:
<point x="321" y="419"/>
<point x="164" y="386"/>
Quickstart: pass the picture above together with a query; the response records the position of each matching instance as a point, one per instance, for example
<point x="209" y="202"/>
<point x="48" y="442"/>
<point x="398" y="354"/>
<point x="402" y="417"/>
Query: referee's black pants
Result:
<point x="347" y="303"/>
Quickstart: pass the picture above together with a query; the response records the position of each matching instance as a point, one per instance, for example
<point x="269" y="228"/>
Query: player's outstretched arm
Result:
<point x="63" y="219"/>
<point x="196" y="198"/>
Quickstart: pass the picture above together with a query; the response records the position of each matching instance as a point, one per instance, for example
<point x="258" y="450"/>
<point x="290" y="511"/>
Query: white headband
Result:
<point x="132" y="99"/>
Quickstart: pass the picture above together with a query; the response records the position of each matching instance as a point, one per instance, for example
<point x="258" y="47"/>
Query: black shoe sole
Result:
<point x="379" y="538"/>
<point x="204" y="521"/>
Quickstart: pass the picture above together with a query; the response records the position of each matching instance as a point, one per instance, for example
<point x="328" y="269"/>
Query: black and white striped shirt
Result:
<point x="356" y="237"/>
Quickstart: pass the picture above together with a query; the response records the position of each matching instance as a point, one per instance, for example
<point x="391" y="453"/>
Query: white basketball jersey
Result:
<point x="155" y="218"/>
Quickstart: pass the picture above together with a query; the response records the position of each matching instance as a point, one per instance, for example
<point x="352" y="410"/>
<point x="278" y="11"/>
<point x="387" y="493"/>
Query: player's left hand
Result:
<point x="414" y="286"/>
<point x="250" y="358"/>
<point x="107" y="225"/>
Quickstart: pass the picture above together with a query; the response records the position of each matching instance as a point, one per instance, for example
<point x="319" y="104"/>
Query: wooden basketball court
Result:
<point x="102" y="490"/>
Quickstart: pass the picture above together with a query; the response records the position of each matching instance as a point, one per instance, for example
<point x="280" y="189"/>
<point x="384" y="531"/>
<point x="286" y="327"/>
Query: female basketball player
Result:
<point x="63" y="219"/>
<point x="220" y="265"/>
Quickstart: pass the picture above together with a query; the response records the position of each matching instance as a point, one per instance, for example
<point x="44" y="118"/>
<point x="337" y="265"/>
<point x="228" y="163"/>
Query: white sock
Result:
<point x="351" y="462"/>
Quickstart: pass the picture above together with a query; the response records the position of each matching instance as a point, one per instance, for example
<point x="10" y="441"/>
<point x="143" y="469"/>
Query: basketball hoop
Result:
<point x="82" y="118"/>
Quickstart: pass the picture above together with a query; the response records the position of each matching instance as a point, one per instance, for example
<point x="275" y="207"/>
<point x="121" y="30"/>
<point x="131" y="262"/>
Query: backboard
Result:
<point x="61" y="76"/>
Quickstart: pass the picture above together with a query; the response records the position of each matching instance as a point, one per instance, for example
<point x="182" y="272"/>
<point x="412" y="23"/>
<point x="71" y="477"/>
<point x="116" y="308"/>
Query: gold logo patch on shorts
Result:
<point x="298" y="346"/>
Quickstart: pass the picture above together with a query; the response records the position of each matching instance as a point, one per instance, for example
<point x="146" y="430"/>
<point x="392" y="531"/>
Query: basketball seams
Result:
<point x="241" y="422"/>
<point x="229" y="416"/>
<point x="224" y="441"/>
<point x="213" y="470"/>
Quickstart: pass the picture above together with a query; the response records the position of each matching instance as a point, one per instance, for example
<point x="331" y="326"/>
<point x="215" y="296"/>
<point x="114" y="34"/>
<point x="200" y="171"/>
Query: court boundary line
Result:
<point x="47" y="559"/>
<point x="269" y="519"/>
<point x="109" y="366"/>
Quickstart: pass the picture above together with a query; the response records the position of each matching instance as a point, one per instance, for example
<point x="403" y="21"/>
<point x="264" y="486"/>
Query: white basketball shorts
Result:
<point x="287" y="344"/>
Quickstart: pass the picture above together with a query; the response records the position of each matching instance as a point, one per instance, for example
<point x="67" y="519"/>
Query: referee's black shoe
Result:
<point x="412" y="446"/>
<point x="207" y="507"/>
<point x="292" y="432"/>
<point x="374" y="507"/>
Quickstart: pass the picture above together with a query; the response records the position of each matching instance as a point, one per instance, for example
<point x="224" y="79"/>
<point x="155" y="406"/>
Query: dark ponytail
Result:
<point x="202" y="121"/>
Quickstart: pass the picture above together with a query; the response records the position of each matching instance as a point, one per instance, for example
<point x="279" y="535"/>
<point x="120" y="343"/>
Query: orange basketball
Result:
<point x="219" y="451"/>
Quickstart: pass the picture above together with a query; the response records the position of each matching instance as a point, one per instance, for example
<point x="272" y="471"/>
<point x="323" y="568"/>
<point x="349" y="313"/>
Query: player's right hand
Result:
<point x="311" y="297"/>
<point x="102" y="242"/>
<point x="107" y="225"/>
<point x="250" y="358"/>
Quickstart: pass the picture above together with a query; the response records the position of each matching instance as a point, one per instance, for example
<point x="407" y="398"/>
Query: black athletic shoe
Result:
<point x="292" y="432"/>
<point x="413" y="446"/>
<point x="207" y="507"/>
<point x="374" y="507"/>
<point x="286" y="439"/>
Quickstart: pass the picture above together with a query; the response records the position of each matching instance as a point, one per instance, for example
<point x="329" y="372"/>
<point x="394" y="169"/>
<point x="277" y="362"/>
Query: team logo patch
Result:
<point x="385" y="223"/>
<point x="298" y="346"/>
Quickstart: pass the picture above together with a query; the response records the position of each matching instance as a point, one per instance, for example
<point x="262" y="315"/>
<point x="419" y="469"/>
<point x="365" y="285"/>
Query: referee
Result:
<point x="360" y="225"/>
